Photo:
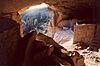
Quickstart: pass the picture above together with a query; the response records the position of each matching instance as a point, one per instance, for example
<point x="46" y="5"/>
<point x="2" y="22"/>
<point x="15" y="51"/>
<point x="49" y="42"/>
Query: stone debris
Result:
<point x="45" y="51"/>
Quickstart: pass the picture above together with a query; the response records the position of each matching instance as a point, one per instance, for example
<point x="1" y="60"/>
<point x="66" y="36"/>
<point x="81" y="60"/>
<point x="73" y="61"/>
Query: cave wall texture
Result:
<point x="81" y="32"/>
<point x="75" y="8"/>
<point x="9" y="38"/>
<point x="80" y="9"/>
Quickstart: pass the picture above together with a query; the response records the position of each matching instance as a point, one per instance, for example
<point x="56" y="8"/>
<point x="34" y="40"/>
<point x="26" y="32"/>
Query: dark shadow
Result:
<point x="9" y="37"/>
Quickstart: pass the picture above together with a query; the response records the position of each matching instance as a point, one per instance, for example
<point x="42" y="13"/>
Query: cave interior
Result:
<point x="41" y="40"/>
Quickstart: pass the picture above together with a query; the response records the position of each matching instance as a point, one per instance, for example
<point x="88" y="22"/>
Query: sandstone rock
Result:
<point x="87" y="36"/>
<point x="75" y="56"/>
<point x="63" y="35"/>
<point x="9" y="38"/>
<point x="48" y="40"/>
<point x="45" y="51"/>
<point x="84" y="9"/>
<point x="77" y="59"/>
<point x="83" y="34"/>
<point x="95" y="44"/>
<point x="22" y="47"/>
<point x="39" y="53"/>
<point x="14" y="16"/>
<point x="67" y="23"/>
<point x="81" y="46"/>
<point x="73" y="8"/>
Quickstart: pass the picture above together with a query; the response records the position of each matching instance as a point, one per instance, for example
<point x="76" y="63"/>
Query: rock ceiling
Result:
<point x="74" y="8"/>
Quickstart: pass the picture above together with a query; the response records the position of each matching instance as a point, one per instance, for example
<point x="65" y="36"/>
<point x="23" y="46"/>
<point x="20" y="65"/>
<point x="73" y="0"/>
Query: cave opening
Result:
<point x="66" y="30"/>
<point x="58" y="23"/>
<point x="49" y="21"/>
<point x="35" y="18"/>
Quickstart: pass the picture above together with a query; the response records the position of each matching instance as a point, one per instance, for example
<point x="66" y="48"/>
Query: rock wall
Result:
<point x="84" y="33"/>
<point x="88" y="34"/>
<point x="16" y="17"/>
<point x="10" y="20"/>
<point x="9" y="37"/>
<point x="95" y="44"/>
<point x="43" y="50"/>
<point x="73" y="8"/>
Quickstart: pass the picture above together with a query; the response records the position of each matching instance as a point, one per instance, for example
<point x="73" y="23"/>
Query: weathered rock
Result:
<point x="38" y="53"/>
<point x="95" y="44"/>
<point x="47" y="40"/>
<point x="84" y="9"/>
<point x="14" y="16"/>
<point x="55" y="18"/>
<point x="44" y="51"/>
<point x="87" y="35"/>
<point x="73" y="8"/>
<point x="83" y="34"/>
<point x="63" y="35"/>
<point x="77" y="59"/>
<point x="22" y="47"/>
<point x="9" y="38"/>
<point x="81" y="46"/>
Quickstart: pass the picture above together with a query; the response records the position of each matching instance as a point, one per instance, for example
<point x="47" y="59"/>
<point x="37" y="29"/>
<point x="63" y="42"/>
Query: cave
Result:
<point x="75" y="19"/>
<point x="35" y="18"/>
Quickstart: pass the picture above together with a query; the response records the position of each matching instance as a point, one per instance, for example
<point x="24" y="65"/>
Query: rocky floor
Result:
<point x="91" y="58"/>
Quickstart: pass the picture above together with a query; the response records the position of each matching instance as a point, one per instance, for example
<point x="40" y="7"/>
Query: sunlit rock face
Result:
<point x="62" y="36"/>
<point x="84" y="33"/>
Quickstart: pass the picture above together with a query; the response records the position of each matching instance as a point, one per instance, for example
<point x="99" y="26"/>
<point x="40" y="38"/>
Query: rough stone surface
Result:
<point x="77" y="59"/>
<point x="41" y="52"/>
<point x="9" y="31"/>
<point x="73" y="8"/>
<point x="14" y="16"/>
<point x="95" y="44"/>
<point x="84" y="33"/>
<point x="9" y="37"/>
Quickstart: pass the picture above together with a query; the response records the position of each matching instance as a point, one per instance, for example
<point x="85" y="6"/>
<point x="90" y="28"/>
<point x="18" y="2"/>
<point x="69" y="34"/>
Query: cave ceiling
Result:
<point x="74" y="8"/>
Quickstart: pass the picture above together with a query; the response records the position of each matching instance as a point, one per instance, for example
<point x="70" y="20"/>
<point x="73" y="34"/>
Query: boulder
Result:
<point x="43" y="50"/>
<point x="83" y="34"/>
<point x="77" y="59"/>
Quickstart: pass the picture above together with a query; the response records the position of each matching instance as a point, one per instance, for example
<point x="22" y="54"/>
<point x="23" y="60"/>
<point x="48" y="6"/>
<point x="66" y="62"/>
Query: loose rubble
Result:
<point x="43" y="50"/>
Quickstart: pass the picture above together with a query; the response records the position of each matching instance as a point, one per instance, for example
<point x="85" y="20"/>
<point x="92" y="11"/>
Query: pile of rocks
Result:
<point x="43" y="50"/>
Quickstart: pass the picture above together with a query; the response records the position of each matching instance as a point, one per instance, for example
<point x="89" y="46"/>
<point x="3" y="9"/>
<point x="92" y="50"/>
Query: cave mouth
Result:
<point x="35" y="18"/>
<point x="46" y="19"/>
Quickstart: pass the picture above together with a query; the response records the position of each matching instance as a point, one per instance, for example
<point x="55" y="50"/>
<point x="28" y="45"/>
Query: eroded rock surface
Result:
<point x="73" y="8"/>
<point x="86" y="36"/>
<point x="9" y="38"/>
<point x="45" y="51"/>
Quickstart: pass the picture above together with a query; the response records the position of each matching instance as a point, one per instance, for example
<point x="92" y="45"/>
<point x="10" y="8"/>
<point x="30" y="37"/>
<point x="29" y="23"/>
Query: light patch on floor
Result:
<point x="91" y="58"/>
